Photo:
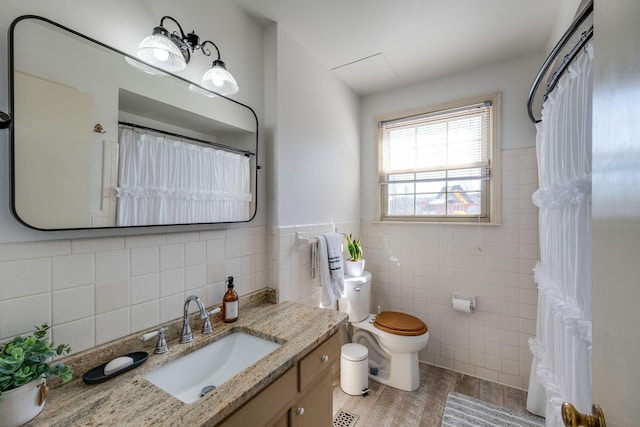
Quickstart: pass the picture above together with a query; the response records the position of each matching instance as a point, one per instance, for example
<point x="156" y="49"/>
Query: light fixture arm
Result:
<point x="207" y="51"/>
<point x="192" y="39"/>
<point x="182" y="34"/>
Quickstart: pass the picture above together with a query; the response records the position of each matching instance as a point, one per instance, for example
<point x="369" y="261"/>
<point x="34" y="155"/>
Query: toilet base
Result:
<point x="403" y="372"/>
<point x="398" y="370"/>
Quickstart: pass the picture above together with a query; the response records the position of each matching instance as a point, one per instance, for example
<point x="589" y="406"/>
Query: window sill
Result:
<point x="456" y="223"/>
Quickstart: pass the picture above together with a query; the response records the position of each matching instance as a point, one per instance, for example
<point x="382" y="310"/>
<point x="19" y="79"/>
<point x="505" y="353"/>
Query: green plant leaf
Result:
<point x="355" y="247"/>
<point x="23" y="359"/>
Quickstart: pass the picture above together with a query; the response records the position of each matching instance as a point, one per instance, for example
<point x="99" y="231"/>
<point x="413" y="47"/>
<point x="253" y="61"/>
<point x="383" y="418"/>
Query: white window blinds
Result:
<point x="437" y="164"/>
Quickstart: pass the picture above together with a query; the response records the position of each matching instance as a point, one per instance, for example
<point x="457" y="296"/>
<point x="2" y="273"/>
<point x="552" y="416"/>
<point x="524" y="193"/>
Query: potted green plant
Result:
<point x="24" y="368"/>
<point x="354" y="266"/>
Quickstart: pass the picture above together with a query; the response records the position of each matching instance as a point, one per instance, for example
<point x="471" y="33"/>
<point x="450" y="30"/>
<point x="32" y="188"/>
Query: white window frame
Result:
<point x="491" y="187"/>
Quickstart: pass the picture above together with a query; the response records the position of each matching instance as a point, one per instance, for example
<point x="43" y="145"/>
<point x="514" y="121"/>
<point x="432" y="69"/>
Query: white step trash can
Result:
<point x="354" y="369"/>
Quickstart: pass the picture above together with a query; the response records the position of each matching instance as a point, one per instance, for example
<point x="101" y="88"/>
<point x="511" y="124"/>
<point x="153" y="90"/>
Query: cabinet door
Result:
<point x="315" y="407"/>
<point x="282" y="421"/>
<point x="267" y="405"/>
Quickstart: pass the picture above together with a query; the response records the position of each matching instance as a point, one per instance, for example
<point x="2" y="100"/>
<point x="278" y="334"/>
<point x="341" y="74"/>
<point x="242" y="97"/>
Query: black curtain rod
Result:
<point x="177" y="135"/>
<point x="555" y="52"/>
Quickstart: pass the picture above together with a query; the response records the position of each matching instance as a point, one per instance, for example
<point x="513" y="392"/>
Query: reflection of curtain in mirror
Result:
<point x="163" y="181"/>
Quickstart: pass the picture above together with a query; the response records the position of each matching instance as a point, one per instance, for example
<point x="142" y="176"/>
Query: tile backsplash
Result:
<point x="95" y="290"/>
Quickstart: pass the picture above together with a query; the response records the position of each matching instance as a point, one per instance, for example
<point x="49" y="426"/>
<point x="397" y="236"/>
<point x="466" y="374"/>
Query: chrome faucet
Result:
<point x="186" y="335"/>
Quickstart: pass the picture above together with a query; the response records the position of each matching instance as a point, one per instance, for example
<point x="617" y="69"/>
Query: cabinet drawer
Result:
<point x="267" y="404"/>
<point x="318" y="361"/>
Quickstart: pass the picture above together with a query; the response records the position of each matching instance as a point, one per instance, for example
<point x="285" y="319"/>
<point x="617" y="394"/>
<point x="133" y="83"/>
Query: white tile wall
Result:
<point x="417" y="267"/>
<point x="291" y="267"/>
<point x="95" y="290"/>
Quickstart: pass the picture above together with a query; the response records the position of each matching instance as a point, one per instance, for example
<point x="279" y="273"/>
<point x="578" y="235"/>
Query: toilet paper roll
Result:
<point x="462" y="305"/>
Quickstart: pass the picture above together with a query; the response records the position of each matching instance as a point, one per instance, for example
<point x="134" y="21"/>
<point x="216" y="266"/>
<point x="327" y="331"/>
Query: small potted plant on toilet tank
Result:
<point x="24" y="368"/>
<point x="355" y="265"/>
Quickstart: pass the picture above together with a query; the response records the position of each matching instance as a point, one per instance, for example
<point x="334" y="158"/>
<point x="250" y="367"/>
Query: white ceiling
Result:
<point x="374" y="45"/>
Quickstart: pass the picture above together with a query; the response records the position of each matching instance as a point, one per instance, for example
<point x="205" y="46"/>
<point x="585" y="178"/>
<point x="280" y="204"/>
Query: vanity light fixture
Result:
<point x="218" y="79"/>
<point x="172" y="52"/>
<point x="169" y="51"/>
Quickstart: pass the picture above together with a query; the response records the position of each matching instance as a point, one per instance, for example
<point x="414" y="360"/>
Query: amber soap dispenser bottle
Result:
<point x="230" y="303"/>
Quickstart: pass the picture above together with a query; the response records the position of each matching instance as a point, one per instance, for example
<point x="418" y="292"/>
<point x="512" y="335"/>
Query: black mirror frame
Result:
<point x="11" y="124"/>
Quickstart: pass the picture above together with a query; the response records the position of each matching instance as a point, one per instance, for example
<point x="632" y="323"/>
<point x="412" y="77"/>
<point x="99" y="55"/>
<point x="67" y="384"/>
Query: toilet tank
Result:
<point x="357" y="299"/>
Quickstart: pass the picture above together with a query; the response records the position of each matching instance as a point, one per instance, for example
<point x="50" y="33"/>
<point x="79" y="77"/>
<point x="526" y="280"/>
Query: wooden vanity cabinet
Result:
<point x="302" y="397"/>
<point x="282" y="421"/>
<point x="315" y="406"/>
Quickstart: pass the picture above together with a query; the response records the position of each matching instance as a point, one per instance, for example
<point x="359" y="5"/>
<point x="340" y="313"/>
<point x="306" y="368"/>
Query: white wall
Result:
<point x="92" y="288"/>
<point x="312" y="122"/>
<point x="564" y="18"/>
<point x="418" y="267"/>
<point x="123" y="24"/>
<point x="316" y="139"/>
<point x="320" y="147"/>
<point x="512" y="78"/>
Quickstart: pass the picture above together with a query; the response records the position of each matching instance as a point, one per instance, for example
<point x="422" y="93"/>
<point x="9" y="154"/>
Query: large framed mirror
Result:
<point x="97" y="142"/>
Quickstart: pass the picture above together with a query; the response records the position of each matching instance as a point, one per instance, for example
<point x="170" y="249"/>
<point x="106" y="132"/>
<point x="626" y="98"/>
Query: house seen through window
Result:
<point x="441" y="164"/>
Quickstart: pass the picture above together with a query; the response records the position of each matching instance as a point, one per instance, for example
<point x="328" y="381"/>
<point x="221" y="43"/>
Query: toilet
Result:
<point x="393" y="339"/>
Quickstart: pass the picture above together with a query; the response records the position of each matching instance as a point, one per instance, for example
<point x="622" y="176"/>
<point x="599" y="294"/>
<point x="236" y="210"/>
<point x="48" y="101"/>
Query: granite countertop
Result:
<point x="130" y="400"/>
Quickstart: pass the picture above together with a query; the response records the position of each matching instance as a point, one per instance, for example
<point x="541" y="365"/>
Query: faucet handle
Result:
<point x="149" y="335"/>
<point x="207" y="328"/>
<point x="161" y="344"/>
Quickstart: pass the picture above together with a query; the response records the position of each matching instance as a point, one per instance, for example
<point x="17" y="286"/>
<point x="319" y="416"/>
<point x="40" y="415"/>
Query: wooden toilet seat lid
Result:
<point x="400" y="324"/>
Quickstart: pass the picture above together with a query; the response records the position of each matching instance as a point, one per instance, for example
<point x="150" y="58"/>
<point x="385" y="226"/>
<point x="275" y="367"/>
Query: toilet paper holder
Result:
<point x="467" y="300"/>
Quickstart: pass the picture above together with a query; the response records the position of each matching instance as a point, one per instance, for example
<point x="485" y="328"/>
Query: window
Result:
<point x="441" y="164"/>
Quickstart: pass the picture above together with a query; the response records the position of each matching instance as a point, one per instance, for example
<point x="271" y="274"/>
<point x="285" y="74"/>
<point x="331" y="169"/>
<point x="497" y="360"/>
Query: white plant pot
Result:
<point x="21" y="404"/>
<point x="354" y="268"/>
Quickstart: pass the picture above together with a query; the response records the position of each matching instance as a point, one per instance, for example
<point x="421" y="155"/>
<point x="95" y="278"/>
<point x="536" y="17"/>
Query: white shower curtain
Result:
<point x="561" y="369"/>
<point x="163" y="181"/>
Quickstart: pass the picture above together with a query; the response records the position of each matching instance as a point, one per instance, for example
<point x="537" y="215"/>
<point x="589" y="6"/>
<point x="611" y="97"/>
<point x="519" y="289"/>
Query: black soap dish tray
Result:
<point x="96" y="375"/>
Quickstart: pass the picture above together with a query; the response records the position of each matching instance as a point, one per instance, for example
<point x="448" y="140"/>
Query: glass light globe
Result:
<point x="160" y="50"/>
<point x="161" y="54"/>
<point x="219" y="80"/>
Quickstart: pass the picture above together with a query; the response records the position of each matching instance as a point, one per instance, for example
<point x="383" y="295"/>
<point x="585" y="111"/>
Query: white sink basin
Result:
<point x="212" y="365"/>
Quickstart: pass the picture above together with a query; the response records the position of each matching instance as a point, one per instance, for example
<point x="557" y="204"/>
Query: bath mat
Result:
<point x="465" y="411"/>
<point x="345" y="419"/>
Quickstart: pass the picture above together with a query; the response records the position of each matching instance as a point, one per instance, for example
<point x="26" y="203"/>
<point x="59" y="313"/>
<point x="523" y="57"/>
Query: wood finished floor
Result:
<point x="386" y="406"/>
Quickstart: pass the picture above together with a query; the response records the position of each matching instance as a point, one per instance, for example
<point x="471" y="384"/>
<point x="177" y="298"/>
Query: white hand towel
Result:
<point x="329" y="263"/>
